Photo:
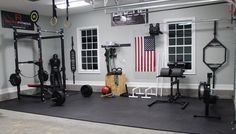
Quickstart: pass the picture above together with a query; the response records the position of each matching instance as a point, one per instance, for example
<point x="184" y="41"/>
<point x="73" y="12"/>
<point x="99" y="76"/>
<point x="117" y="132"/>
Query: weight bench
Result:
<point x="173" y="74"/>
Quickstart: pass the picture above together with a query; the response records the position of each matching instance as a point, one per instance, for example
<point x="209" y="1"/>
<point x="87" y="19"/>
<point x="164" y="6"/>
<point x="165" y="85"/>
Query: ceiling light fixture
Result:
<point x="33" y="0"/>
<point x="72" y="4"/>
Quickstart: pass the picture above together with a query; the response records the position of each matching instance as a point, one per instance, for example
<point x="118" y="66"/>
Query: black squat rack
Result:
<point x="15" y="78"/>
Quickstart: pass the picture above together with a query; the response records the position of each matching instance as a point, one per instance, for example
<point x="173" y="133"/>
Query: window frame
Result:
<point x="79" y="48"/>
<point x="166" y="46"/>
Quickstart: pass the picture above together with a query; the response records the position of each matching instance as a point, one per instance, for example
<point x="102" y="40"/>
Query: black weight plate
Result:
<point x="15" y="79"/>
<point x="58" y="98"/>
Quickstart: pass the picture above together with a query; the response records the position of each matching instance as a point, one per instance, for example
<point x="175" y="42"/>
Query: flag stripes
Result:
<point x="145" y="54"/>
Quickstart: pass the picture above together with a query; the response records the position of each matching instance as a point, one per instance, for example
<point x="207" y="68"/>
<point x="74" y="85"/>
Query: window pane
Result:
<point x="180" y="26"/>
<point x="180" y="41"/>
<point x="95" y="39"/>
<point x="89" y="32"/>
<point x="94" y="31"/>
<point x="90" y="66"/>
<point x="83" y="33"/>
<point x="171" y="41"/>
<point x="172" y="58"/>
<point x="187" y="57"/>
<point x="83" y="60"/>
<point x="187" y="50"/>
<point x="94" y="52"/>
<point x="95" y="45"/>
<point x="95" y="59"/>
<point x="188" y="65"/>
<point x="188" y="26"/>
<point x="83" y="53"/>
<point x="95" y="66"/>
<point x="171" y="50"/>
<point x="172" y="34"/>
<point x="84" y="46"/>
<point x="188" y="33"/>
<point x="84" y="66"/>
<point x="89" y="39"/>
<point x="171" y="26"/>
<point x="180" y="33"/>
<point x="188" y="41"/>
<point x="89" y="59"/>
<point x="89" y="46"/>
<point x="179" y="58"/>
<point x="84" y="40"/>
<point x="179" y="50"/>
<point x="89" y="53"/>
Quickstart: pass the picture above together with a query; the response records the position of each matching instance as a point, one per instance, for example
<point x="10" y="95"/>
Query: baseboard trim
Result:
<point x="12" y="89"/>
<point x="11" y="92"/>
<point x="224" y="90"/>
<point x="151" y="84"/>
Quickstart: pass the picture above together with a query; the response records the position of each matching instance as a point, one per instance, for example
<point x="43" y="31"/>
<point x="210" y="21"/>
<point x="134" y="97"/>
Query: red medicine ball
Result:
<point x="105" y="90"/>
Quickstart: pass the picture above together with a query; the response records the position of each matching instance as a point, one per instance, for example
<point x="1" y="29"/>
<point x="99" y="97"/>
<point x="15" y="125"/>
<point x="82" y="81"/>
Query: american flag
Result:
<point x="145" y="54"/>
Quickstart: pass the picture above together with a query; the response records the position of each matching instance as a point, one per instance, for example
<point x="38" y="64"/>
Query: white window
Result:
<point x="181" y="43"/>
<point x="88" y="50"/>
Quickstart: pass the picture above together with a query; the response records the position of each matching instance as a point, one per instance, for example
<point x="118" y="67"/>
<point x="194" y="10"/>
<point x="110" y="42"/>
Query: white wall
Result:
<point x="126" y="34"/>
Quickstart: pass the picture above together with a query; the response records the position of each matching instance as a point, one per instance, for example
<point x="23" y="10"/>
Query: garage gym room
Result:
<point x="117" y="66"/>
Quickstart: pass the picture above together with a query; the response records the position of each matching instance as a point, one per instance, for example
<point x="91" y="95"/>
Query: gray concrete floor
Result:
<point x="12" y="122"/>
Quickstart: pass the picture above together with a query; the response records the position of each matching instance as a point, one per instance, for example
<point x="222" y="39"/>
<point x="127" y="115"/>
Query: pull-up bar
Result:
<point x="52" y="37"/>
<point x="51" y="31"/>
<point x="21" y="35"/>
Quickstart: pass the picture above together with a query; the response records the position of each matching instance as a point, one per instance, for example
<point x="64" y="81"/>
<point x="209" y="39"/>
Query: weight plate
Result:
<point x="15" y="79"/>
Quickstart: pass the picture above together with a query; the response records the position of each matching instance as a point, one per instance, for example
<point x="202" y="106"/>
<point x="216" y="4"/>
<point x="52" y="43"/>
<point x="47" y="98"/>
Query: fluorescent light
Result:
<point x="72" y="4"/>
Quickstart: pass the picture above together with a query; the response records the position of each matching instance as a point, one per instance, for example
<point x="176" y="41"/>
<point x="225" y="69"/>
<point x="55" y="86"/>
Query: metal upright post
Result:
<point x="63" y="60"/>
<point x="234" y="122"/>
<point x="40" y="65"/>
<point x="17" y="70"/>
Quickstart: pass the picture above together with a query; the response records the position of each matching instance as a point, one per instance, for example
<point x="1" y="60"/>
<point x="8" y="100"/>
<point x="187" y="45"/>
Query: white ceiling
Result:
<point x="44" y="7"/>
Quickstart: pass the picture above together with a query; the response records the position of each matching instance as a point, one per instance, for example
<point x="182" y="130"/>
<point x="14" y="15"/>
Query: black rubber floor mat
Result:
<point x="133" y="112"/>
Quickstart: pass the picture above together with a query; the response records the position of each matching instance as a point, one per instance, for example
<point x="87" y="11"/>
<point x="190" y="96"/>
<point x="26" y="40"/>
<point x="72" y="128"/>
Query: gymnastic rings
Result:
<point x="67" y="24"/>
<point x="53" y="21"/>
